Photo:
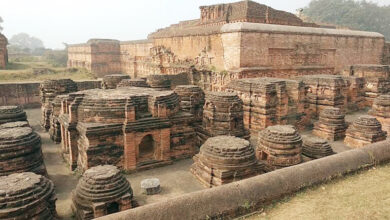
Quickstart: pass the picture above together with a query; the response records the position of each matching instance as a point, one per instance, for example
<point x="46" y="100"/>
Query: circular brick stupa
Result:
<point x="138" y="82"/>
<point x="279" y="146"/>
<point x="11" y="114"/>
<point x="27" y="196"/>
<point x="365" y="130"/>
<point x="112" y="81"/>
<point x="225" y="159"/>
<point x="102" y="190"/>
<point x="315" y="148"/>
<point x="331" y="125"/>
<point x="20" y="151"/>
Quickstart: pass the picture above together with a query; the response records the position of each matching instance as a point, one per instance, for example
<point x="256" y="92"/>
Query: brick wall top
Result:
<point x="267" y="28"/>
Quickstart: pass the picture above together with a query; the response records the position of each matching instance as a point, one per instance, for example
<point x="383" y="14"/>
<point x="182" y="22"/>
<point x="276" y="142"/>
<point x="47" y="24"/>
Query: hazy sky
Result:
<point x="76" y="21"/>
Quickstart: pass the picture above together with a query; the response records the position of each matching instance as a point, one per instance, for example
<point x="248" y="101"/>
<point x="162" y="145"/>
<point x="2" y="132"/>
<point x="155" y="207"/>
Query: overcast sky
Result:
<point x="76" y="21"/>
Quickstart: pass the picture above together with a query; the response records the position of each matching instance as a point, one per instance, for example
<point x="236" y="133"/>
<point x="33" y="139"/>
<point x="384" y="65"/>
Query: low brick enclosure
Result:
<point x="249" y="195"/>
<point x="27" y="94"/>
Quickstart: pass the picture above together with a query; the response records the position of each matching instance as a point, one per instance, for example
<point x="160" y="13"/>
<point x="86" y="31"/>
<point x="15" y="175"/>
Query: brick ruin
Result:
<point x="27" y="196"/>
<point x="3" y="51"/>
<point x="112" y="81"/>
<point x="331" y="125"/>
<point x="130" y="127"/>
<point x="279" y="146"/>
<point x="364" y="130"/>
<point x="233" y="41"/>
<point x="102" y="190"/>
<point x="381" y="110"/>
<point x="315" y="148"/>
<point x="20" y="150"/>
<point x="138" y="82"/>
<point x="225" y="159"/>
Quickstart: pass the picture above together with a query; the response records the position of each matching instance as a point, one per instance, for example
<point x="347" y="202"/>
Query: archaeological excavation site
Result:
<point x="211" y="118"/>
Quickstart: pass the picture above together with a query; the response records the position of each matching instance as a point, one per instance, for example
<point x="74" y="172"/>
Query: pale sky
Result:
<point x="76" y="21"/>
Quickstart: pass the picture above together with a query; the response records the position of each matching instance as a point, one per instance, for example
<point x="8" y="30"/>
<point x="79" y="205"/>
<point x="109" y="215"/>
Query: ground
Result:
<point x="175" y="179"/>
<point x="23" y="71"/>
<point x="364" y="195"/>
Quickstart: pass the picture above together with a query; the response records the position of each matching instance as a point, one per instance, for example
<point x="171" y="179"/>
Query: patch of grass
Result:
<point x="23" y="71"/>
<point x="364" y="195"/>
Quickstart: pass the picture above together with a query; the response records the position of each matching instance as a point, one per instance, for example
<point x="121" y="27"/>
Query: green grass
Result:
<point x="22" y="70"/>
<point x="365" y="195"/>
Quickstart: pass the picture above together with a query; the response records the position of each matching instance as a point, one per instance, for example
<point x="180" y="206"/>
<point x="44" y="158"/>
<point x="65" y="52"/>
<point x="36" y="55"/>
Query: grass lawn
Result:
<point x="365" y="195"/>
<point x="23" y="71"/>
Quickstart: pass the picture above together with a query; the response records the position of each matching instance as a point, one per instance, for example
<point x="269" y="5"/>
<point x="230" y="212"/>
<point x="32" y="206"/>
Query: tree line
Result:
<point x="358" y="15"/>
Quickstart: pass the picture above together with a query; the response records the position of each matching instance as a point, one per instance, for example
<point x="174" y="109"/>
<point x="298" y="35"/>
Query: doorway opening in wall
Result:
<point x="112" y="208"/>
<point x="146" y="149"/>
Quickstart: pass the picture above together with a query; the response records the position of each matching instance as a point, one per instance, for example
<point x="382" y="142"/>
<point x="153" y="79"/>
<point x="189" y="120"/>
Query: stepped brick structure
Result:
<point x="355" y="93"/>
<point x="325" y="91"/>
<point x="27" y="196"/>
<point x="376" y="80"/>
<point x="279" y="146"/>
<point x="112" y="81"/>
<point x="133" y="83"/>
<point x="332" y="125"/>
<point x="49" y="89"/>
<point x="244" y="39"/>
<point x="381" y="110"/>
<point x="222" y="115"/>
<point x="102" y="190"/>
<point x="225" y="159"/>
<point x="270" y="101"/>
<point x="161" y="82"/>
<point x="3" y="51"/>
<point x="192" y="99"/>
<point x="20" y="151"/>
<point x="101" y="56"/>
<point x="55" y="111"/>
<point x="315" y="148"/>
<point x="130" y="127"/>
<point x="365" y="130"/>
<point x="12" y="114"/>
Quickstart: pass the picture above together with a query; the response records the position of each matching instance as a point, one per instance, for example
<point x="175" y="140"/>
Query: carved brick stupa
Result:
<point x="102" y="190"/>
<point x="20" y="151"/>
<point x="49" y="89"/>
<point x="222" y="115"/>
<point x="279" y="146"/>
<point x="138" y="82"/>
<point x="365" y="130"/>
<point x="192" y="99"/>
<point x="315" y="148"/>
<point x="381" y="110"/>
<point x="130" y="127"/>
<point x="27" y="196"/>
<point x="225" y="159"/>
<point x="112" y="81"/>
<point x="11" y="114"/>
<point x="331" y="125"/>
<point x="161" y="82"/>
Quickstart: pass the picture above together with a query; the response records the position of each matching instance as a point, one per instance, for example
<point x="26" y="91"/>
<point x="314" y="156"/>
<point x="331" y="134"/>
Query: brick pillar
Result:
<point x="165" y="144"/>
<point x="130" y="153"/>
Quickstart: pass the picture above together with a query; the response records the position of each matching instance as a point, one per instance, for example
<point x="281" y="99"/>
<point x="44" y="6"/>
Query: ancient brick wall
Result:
<point x="386" y="54"/>
<point x="27" y="94"/>
<point x="79" y="56"/>
<point x="134" y="55"/>
<point x="3" y="51"/>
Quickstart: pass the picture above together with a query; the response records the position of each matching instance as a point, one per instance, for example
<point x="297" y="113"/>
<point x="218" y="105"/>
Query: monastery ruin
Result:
<point x="244" y="91"/>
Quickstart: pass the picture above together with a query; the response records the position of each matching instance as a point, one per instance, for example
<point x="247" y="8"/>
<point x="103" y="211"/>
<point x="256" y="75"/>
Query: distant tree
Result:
<point x="359" y="15"/>
<point x="24" y="41"/>
<point x="1" y="21"/>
